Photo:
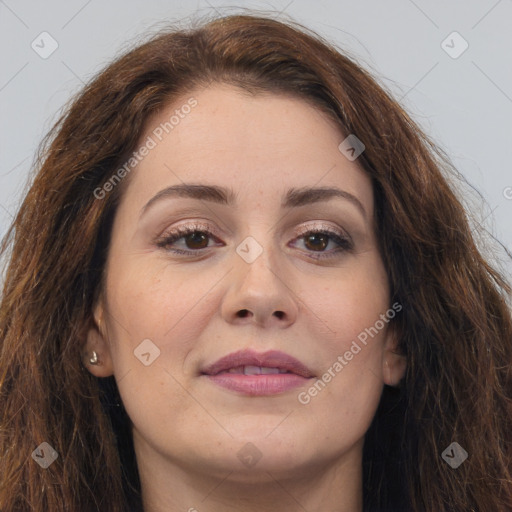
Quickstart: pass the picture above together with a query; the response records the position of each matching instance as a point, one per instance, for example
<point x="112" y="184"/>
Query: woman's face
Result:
<point x="281" y="277"/>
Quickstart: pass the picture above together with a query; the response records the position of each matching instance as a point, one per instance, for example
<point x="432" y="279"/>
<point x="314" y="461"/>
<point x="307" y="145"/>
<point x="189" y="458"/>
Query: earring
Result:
<point x="94" y="359"/>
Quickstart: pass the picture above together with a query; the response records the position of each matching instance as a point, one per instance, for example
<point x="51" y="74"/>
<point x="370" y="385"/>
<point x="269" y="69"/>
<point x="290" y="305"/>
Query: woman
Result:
<point x="240" y="281"/>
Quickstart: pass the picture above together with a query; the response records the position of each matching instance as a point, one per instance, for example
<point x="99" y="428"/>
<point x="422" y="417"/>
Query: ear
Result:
<point x="394" y="364"/>
<point x="97" y="340"/>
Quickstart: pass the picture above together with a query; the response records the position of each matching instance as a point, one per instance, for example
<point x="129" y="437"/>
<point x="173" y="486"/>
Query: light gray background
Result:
<point x="464" y="103"/>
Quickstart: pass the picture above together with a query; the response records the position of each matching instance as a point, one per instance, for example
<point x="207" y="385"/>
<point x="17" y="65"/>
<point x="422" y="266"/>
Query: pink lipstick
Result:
<point x="258" y="374"/>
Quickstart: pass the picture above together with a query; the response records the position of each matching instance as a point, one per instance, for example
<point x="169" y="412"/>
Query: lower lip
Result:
<point x="258" y="385"/>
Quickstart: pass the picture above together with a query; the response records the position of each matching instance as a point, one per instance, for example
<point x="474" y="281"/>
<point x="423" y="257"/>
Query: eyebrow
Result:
<point x="294" y="197"/>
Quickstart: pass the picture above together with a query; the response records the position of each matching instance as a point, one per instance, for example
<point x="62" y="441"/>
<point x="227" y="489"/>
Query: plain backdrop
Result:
<point x="457" y="86"/>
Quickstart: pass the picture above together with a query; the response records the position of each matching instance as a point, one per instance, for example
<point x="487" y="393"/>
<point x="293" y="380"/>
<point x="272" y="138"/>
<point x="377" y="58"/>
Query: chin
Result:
<point x="253" y="457"/>
<point x="250" y="465"/>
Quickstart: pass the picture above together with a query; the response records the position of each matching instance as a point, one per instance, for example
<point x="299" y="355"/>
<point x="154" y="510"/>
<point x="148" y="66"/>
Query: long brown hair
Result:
<point x="455" y="327"/>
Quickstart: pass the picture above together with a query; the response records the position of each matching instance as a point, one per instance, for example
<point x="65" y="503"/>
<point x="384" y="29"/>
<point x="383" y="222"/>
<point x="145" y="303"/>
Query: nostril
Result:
<point x="243" y="313"/>
<point x="279" y="314"/>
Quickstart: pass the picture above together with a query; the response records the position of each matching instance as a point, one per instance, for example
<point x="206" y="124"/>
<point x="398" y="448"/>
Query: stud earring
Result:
<point x="94" y="359"/>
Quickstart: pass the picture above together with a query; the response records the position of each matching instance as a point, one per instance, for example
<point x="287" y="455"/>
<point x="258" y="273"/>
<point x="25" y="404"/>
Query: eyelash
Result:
<point x="344" y="242"/>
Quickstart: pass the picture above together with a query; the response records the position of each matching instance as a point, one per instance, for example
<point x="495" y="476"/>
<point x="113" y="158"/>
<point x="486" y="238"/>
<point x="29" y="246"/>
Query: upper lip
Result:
<point x="270" y="359"/>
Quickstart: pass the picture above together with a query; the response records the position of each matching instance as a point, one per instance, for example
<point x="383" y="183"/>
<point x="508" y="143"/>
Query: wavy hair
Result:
<point x="455" y="328"/>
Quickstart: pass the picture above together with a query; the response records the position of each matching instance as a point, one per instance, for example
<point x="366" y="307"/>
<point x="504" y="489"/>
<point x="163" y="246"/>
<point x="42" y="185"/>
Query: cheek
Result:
<point x="168" y="316"/>
<point x="352" y="304"/>
<point x="350" y="383"/>
<point x="156" y="318"/>
<point x="167" y="307"/>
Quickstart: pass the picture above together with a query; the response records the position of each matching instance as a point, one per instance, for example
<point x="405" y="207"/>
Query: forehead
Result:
<point x="259" y="145"/>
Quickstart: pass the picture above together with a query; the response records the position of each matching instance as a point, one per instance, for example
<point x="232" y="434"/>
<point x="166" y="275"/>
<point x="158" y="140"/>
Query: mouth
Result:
<point x="257" y="374"/>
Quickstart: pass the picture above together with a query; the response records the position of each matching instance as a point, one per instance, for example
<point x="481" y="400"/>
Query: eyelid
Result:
<point x="189" y="226"/>
<point x="322" y="226"/>
<point x="199" y="226"/>
<point x="337" y="234"/>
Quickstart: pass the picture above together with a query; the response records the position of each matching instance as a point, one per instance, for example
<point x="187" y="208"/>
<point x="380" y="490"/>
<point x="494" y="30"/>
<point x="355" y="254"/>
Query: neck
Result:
<point x="168" y="486"/>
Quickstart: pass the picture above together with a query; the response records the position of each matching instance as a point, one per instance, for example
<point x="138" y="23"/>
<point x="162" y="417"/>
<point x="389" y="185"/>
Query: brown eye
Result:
<point x="317" y="241"/>
<point x="186" y="240"/>
<point x="193" y="240"/>
<point x="196" y="240"/>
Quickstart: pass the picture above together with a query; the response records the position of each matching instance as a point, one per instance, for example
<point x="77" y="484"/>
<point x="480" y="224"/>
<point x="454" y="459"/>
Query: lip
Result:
<point x="262" y="384"/>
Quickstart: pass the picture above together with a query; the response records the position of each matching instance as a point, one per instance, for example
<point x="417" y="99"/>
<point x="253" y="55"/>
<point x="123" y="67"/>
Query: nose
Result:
<point x="260" y="294"/>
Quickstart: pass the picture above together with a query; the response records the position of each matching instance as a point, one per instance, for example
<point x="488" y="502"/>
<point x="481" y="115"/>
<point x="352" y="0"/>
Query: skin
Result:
<point x="188" y="431"/>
